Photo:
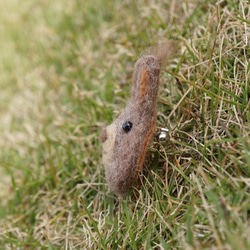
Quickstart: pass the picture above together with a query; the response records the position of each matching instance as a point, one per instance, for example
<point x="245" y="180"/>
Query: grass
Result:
<point x="65" y="73"/>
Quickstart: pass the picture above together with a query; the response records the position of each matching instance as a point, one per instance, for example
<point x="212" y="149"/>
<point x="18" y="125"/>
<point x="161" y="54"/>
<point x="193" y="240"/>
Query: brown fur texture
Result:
<point x="124" y="151"/>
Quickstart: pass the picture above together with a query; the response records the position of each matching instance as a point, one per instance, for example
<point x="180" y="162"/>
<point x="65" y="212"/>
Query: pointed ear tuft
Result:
<point x="163" y="51"/>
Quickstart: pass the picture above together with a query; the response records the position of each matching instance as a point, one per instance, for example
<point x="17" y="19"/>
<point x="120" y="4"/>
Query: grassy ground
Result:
<point x="65" y="72"/>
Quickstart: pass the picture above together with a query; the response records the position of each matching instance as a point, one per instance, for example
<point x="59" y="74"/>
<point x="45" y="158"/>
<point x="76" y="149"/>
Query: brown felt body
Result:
<point x="124" y="152"/>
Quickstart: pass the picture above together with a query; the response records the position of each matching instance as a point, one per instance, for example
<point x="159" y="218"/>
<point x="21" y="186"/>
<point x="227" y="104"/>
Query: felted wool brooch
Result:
<point x="125" y="141"/>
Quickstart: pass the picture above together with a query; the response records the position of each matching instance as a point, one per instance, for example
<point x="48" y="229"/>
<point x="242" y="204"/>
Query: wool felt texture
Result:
<point x="125" y="141"/>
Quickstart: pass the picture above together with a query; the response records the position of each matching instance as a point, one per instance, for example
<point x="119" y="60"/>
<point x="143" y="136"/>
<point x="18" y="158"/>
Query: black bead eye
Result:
<point x="127" y="126"/>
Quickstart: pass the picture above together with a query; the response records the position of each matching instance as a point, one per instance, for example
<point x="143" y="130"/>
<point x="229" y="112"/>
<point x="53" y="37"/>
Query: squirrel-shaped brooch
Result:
<point x="125" y="141"/>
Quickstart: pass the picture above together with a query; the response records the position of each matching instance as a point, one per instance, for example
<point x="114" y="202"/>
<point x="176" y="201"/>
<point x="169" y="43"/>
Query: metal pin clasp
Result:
<point x="163" y="133"/>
